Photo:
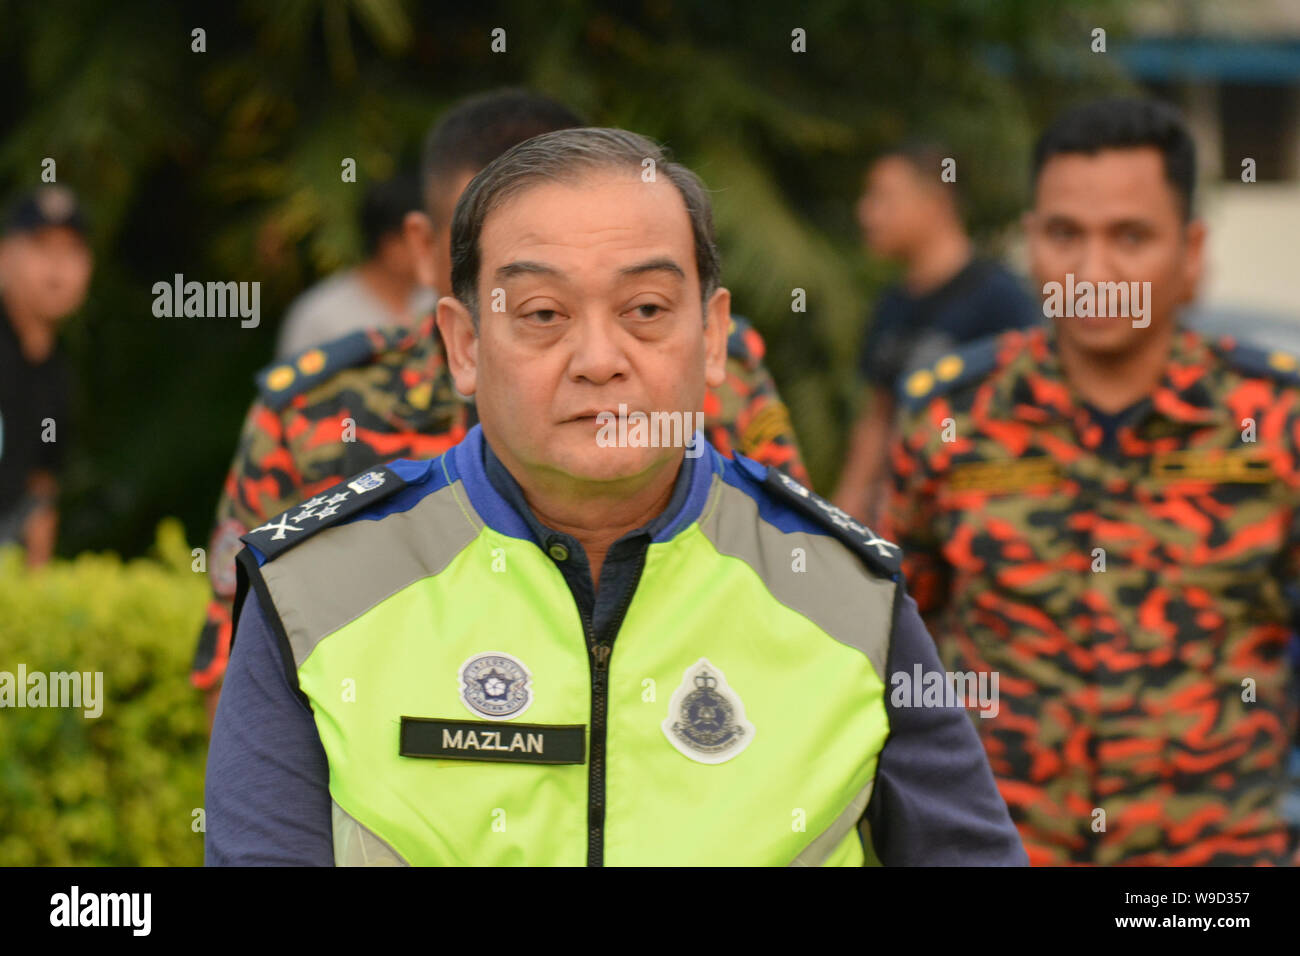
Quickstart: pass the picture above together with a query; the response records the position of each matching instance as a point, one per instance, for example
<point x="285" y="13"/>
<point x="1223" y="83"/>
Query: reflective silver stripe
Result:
<point x="342" y="572"/>
<point x="817" y="852"/>
<point x="868" y="846"/>
<point x="836" y="591"/>
<point x="356" y="845"/>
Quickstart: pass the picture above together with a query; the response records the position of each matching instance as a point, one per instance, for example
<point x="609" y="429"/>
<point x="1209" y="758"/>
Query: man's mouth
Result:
<point x="591" y="415"/>
<point x="588" y="416"/>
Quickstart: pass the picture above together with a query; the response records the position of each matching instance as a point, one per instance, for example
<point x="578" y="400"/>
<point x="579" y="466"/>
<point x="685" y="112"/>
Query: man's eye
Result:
<point x="1061" y="233"/>
<point x="542" y="315"/>
<point x="648" y="311"/>
<point x="1131" y="237"/>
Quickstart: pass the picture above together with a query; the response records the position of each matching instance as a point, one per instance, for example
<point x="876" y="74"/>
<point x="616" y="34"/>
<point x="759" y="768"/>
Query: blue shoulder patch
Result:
<point x="281" y="381"/>
<point x="970" y="363"/>
<point x="883" y="557"/>
<point x="330" y="507"/>
<point x="1276" y="364"/>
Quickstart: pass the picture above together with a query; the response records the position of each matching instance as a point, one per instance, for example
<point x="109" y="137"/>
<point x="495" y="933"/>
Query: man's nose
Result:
<point x="598" y="355"/>
<point x="1095" y="261"/>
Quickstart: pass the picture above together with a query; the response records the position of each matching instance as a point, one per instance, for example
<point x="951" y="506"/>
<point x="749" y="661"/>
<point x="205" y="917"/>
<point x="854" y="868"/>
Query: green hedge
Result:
<point x="120" y="789"/>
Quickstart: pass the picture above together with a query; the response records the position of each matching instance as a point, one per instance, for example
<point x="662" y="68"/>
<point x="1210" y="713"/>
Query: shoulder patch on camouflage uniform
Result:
<point x="292" y="527"/>
<point x="970" y="363"/>
<point x="1266" y="363"/>
<point x="881" y="556"/>
<point x="280" y="382"/>
<point x="744" y="343"/>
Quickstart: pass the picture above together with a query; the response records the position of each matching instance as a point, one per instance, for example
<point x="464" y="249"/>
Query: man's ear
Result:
<point x="1027" y="223"/>
<point x="717" y="326"/>
<point x="1194" y="260"/>
<point x="1029" y="234"/>
<point x="418" y="233"/>
<point x="460" y="340"/>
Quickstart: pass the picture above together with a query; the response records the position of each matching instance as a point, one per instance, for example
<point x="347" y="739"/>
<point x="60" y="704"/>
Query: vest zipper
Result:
<point x="599" y="652"/>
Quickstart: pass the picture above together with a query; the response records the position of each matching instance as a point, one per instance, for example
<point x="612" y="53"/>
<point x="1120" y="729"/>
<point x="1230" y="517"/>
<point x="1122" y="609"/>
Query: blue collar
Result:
<point x="499" y="501"/>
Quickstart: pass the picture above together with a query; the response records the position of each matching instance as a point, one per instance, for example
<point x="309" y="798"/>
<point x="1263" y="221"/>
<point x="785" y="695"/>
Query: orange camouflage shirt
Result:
<point x="1131" y="595"/>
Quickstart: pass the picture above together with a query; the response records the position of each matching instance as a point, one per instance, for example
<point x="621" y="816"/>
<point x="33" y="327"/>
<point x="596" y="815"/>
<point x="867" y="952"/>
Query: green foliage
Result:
<point x="224" y="165"/>
<point x="119" y="789"/>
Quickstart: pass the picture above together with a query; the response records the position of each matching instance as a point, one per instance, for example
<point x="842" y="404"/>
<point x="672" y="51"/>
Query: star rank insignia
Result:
<point x="882" y="555"/>
<point x="330" y="507"/>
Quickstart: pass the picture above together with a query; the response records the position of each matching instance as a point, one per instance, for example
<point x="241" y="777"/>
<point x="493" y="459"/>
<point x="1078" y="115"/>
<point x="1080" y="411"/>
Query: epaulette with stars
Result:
<point x="279" y="382"/>
<point x="1276" y="364"/>
<point x="881" y="556"/>
<point x="331" y="506"/>
<point x="968" y="364"/>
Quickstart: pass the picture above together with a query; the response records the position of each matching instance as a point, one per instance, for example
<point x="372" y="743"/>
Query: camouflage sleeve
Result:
<point x="746" y="414"/>
<point x="1290" y="568"/>
<point x="911" y="514"/>
<point x="263" y="480"/>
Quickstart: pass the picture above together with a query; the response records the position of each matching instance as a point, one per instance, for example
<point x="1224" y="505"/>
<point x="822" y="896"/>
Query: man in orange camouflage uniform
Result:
<point x="1104" y="513"/>
<point x="381" y="394"/>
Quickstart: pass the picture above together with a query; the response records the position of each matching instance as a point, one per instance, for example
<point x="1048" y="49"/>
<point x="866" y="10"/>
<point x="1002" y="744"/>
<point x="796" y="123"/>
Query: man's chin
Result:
<point x="1100" y="336"/>
<point x="594" y="463"/>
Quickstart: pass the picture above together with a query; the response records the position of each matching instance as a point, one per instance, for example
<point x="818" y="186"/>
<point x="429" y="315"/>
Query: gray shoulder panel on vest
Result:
<point x="836" y="592"/>
<point x="343" y="572"/>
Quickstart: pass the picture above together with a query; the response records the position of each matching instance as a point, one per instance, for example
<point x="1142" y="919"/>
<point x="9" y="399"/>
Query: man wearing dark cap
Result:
<point x="45" y="267"/>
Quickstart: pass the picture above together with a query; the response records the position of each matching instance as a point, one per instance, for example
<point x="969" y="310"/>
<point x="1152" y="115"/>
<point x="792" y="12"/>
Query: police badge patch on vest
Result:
<point x="495" y="685"/>
<point x="706" y="718"/>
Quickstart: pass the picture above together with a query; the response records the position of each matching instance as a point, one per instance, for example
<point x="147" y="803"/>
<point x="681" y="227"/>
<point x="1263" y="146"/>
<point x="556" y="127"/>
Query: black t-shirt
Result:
<point x="29" y="394"/>
<point x="983" y="299"/>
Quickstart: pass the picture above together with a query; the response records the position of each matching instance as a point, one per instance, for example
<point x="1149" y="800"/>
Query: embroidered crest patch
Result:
<point x="495" y="685"/>
<point x="367" y="482"/>
<point x="706" y="718"/>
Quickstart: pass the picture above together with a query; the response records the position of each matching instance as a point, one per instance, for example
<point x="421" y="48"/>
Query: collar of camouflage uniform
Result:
<point x="1035" y="388"/>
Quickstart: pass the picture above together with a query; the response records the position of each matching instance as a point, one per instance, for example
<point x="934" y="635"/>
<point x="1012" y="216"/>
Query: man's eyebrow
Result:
<point x="1133" y="222"/>
<point x="660" y="264"/>
<point x="525" y="267"/>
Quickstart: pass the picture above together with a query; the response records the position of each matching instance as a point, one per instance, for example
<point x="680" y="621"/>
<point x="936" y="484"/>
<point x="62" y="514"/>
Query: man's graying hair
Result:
<point x="563" y="156"/>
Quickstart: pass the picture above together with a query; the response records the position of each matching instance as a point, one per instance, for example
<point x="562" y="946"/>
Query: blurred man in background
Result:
<point x="374" y="396"/>
<point x="381" y="291"/>
<point x="45" y="268"/>
<point x="948" y="296"/>
<point x="1106" y="513"/>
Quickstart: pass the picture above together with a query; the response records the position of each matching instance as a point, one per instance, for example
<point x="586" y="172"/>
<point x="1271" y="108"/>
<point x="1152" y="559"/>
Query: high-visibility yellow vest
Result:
<point x="737" y="718"/>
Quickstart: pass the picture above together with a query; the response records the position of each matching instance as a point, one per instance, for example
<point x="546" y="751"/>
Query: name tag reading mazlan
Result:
<point x="496" y="741"/>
